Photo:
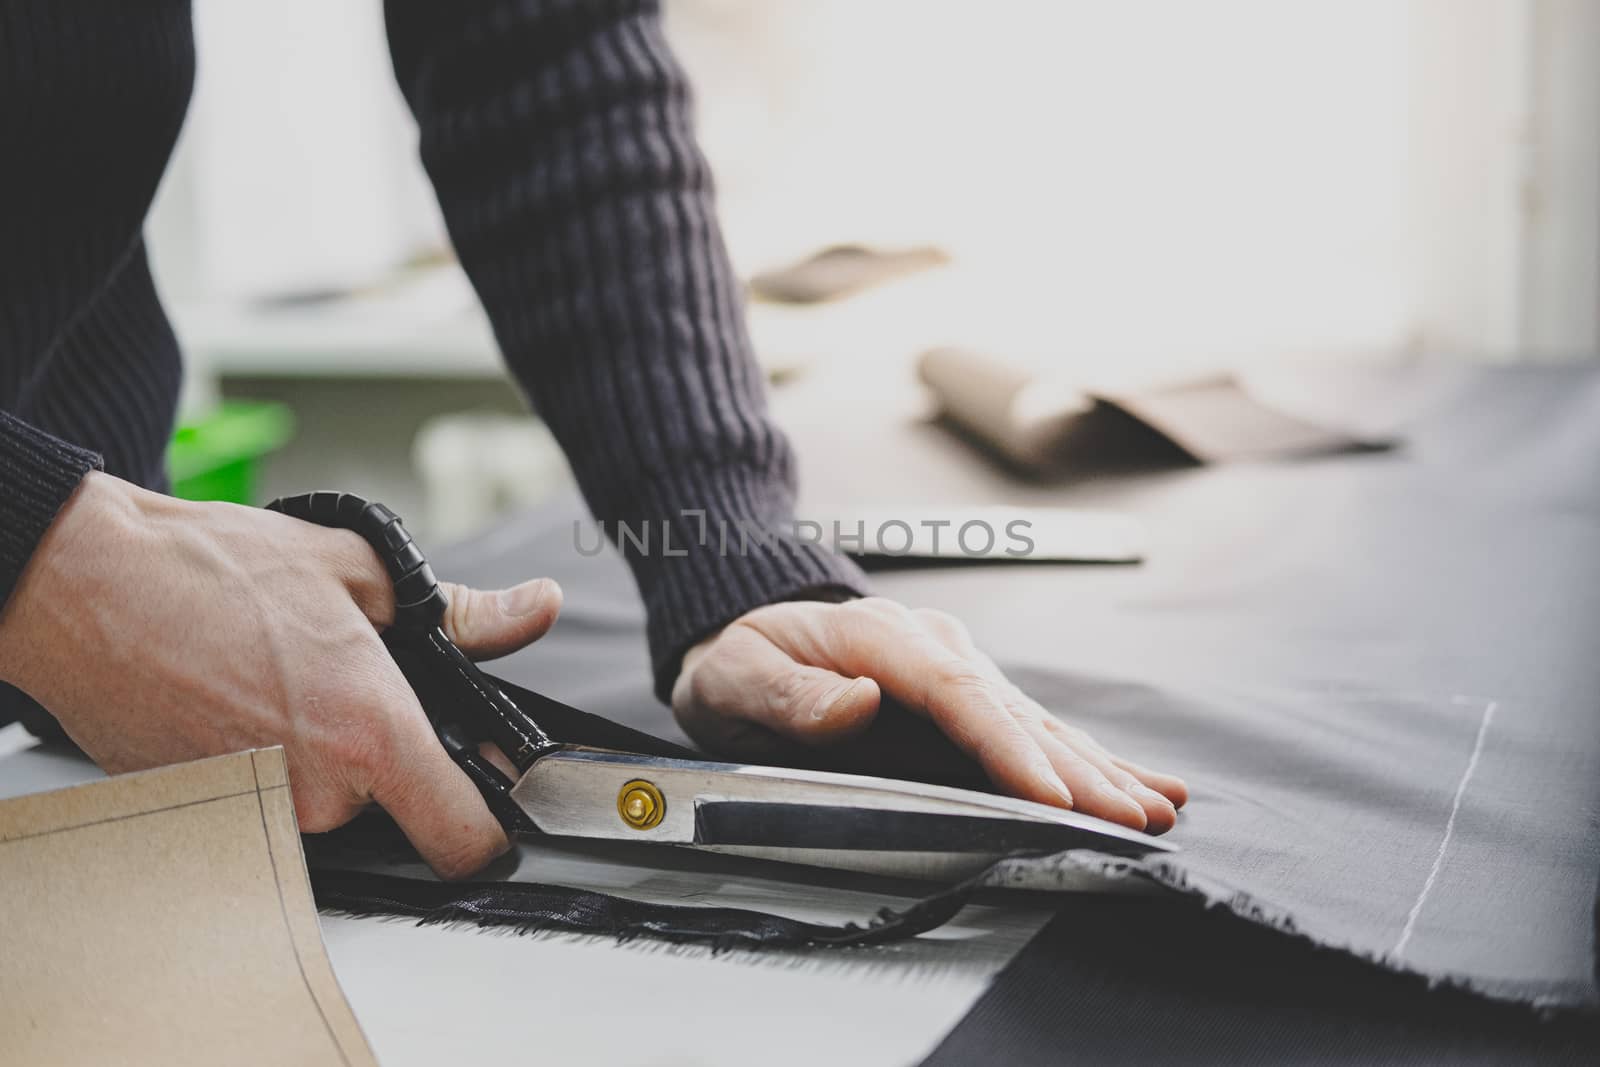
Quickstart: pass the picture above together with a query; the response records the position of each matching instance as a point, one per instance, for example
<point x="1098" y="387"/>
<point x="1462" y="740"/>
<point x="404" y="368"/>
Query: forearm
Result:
<point x="558" y="140"/>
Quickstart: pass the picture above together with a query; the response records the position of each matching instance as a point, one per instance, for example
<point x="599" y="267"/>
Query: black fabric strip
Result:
<point x="529" y="907"/>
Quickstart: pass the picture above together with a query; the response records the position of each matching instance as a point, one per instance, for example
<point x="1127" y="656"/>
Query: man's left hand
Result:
<point x="815" y="673"/>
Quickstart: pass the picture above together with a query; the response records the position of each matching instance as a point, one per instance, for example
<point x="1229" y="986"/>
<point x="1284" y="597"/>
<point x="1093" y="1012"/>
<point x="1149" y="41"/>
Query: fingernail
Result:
<point x="1057" y="786"/>
<point x="821" y="708"/>
<point x="1121" y="799"/>
<point x="1151" y="795"/>
<point x="526" y="598"/>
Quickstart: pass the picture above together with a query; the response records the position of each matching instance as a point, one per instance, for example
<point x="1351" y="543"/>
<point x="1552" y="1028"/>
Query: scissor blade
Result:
<point x="852" y="829"/>
<point x="583" y="792"/>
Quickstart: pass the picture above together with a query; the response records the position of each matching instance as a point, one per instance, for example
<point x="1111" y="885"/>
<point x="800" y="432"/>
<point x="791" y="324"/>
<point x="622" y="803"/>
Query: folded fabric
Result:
<point x="1039" y="423"/>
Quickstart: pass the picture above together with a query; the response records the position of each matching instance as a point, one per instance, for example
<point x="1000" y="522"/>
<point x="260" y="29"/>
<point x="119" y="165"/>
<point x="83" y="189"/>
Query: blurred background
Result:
<point x="1107" y="191"/>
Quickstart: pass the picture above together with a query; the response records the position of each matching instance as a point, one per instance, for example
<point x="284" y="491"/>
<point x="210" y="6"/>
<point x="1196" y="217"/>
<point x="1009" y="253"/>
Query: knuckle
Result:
<point x="766" y="613"/>
<point x="1014" y="695"/>
<point x="460" y="607"/>
<point x="878" y="607"/>
<point x="1074" y="735"/>
<point x="1020" y="707"/>
<point x="942" y="623"/>
<point x="353" y="560"/>
<point x="465" y="855"/>
<point x="698" y="685"/>
<point x="707" y="684"/>
<point x="843" y="627"/>
<point x="740" y="638"/>
<point x="359" y="754"/>
<point x="768" y="624"/>
<point x="966" y="695"/>
<point x="963" y="679"/>
<point x="345" y="549"/>
<point x="363" y="748"/>
<point x="703" y="686"/>
<point x="786" y="690"/>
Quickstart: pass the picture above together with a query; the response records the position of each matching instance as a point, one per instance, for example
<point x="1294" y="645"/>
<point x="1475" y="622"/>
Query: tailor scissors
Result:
<point x="818" y="818"/>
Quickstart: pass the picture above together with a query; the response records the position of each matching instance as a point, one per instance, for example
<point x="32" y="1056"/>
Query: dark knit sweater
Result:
<point x="557" y="137"/>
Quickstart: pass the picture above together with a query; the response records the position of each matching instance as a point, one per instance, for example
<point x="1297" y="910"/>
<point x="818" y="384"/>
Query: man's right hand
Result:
<point x="158" y="630"/>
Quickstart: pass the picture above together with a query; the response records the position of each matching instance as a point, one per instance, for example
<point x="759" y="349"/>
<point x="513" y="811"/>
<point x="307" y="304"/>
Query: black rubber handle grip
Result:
<point x="464" y="705"/>
<point x="419" y="603"/>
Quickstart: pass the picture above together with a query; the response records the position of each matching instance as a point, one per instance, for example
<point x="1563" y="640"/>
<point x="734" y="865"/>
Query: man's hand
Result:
<point x="157" y="630"/>
<point x="812" y="674"/>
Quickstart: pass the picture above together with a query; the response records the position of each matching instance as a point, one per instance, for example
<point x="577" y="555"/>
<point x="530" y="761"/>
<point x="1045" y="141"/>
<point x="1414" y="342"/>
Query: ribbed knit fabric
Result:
<point x="38" y="473"/>
<point x="91" y="98"/>
<point x="557" y="136"/>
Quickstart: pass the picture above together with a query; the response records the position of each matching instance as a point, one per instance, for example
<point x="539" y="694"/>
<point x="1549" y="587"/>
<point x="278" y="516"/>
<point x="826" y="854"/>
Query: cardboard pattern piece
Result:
<point x="841" y="271"/>
<point x="165" y="917"/>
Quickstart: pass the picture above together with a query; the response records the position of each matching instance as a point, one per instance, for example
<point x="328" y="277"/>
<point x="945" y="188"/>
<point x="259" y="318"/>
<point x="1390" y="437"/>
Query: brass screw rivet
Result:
<point x="641" y="804"/>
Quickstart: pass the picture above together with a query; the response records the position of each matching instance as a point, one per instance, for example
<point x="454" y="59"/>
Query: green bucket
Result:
<point x="218" y="457"/>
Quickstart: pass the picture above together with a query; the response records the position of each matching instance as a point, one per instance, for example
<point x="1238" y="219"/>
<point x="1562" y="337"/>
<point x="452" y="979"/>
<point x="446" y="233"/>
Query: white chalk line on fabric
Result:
<point x="1449" y="830"/>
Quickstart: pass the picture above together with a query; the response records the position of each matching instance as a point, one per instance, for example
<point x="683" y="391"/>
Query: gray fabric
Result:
<point x="1323" y="648"/>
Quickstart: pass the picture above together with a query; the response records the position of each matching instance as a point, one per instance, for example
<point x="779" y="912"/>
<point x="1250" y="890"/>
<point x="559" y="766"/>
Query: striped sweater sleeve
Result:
<point x="557" y="137"/>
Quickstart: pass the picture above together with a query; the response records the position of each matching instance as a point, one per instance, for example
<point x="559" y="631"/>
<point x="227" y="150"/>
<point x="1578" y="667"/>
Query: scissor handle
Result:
<point x="419" y="602"/>
<point x="449" y="684"/>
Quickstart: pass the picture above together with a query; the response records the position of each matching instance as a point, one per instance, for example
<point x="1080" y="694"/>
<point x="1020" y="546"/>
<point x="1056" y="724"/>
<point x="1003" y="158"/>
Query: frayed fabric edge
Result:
<point x="530" y="907"/>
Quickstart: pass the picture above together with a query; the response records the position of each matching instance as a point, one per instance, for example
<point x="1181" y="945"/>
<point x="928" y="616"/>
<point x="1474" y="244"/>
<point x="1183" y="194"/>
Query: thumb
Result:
<point x="489" y="623"/>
